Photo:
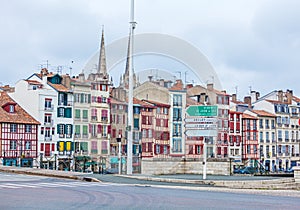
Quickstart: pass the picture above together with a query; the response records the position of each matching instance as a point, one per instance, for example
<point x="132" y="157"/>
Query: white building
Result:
<point x="51" y="103"/>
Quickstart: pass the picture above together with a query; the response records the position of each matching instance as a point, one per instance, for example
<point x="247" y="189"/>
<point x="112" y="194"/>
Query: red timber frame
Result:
<point x="17" y="141"/>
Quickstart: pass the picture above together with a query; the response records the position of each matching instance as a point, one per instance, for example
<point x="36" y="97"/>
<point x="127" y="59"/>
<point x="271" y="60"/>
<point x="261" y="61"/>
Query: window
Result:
<point x="261" y="123"/>
<point x="28" y="128"/>
<point x="166" y="110"/>
<point x="13" y="128"/>
<point x="27" y="145"/>
<point x="68" y="130"/>
<point x="11" y="108"/>
<point x="176" y="129"/>
<point x="77" y="113"/>
<point x="85" y="131"/>
<point x="157" y="149"/>
<point x="267" y="137"/>
<point x="47" y="118"/>
<point x="261" y="138"/>
<point x="48" y="104"/>
<point x="13" y="145"/>
<point x="267" y="123"/>
<point x="177" y="100"/>
<point x="61" y="130"/>
<point x="177" y="145"/>
<point x="248" y="149"/>
<point x="60" y="112"/>
<point x="279" y="135"/>
<point x="104" y="115"/>
<point x="176" y="114"/>
<point x="77" y="130"/>
<point x="85" y="114"/>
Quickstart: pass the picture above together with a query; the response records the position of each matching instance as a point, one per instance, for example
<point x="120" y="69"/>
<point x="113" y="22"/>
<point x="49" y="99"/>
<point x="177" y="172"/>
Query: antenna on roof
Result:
<point x="59" y="69"/>
<point x="70" y="68"/>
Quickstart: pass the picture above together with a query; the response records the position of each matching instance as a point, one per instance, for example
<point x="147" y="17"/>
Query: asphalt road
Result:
<point x="32" y="192"/>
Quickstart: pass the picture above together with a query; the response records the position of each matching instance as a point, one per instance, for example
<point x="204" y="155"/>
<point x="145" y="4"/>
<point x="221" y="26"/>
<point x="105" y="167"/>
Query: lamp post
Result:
<point x="119" y="154"/>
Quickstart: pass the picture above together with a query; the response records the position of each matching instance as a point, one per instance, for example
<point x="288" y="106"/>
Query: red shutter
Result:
<point x="53" y="147"/>
<point x="99" y="130"/>
<point x="42" y="147"/>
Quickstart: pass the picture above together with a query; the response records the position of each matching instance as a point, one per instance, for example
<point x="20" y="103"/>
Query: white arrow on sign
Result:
<point x="201" y="132"/>
<point x="201" y="126"/>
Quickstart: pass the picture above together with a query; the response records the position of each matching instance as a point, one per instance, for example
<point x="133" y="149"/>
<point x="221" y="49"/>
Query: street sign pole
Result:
<point x="204" y="159"/>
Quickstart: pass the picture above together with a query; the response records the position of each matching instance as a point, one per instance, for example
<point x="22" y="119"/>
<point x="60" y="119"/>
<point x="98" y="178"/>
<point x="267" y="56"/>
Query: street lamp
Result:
<point x="119" y="153"/>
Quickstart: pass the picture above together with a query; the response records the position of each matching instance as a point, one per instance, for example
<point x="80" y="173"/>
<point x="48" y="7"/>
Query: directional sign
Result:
<point x="206" y="111"/>
<point x="201" y="126"/>
<point x="201" y="132"/>
<point x="200" y="120"/>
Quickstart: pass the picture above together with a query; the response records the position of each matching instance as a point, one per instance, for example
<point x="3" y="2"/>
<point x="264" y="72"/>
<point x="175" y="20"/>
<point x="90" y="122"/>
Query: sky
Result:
<point x="252" y="44"/>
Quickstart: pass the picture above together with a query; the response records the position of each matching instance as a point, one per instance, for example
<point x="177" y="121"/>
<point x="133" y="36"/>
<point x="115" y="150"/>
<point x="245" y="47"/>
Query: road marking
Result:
<point x="52" y="185"/>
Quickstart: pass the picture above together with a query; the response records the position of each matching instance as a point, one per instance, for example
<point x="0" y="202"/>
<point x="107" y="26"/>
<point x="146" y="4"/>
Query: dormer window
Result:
<point x="9" y="107"/>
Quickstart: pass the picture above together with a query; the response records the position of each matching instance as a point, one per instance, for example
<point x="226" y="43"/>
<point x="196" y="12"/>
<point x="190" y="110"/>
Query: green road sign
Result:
<point x="205" y="111"/>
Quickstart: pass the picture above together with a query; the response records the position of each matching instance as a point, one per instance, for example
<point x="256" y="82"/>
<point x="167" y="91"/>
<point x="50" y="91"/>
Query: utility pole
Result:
<point x="130" y="91"/>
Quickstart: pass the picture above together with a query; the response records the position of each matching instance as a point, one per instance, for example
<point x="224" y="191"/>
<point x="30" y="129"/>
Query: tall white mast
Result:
<point x="130" y="91"/>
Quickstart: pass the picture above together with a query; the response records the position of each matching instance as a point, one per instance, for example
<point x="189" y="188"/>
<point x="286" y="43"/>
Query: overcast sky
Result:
<point x="250" y="43"/>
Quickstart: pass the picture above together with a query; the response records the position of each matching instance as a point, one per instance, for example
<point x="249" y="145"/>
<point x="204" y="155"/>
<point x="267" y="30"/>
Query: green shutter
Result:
<point x="68" y="112"/>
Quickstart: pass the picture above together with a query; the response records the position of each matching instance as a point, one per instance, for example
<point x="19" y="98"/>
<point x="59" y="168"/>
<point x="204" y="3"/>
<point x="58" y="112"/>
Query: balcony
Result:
<point x="48" y="138"/>
<point x="49" y="108"/>
<point x="48" y="124"/>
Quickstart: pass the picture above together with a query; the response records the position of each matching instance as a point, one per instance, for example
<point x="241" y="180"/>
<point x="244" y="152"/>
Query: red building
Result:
<point x="18" y="134"/>
<point x="250" y="140"/>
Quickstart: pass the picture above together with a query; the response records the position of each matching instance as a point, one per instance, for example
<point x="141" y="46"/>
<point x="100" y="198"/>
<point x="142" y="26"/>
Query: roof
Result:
<point x="276" y="102"/>
<point x="263" y="113"/>
<point x="247" y="116"/>
<point x="190" y="101"/>
<point x="296" y="99"/>
<point x="20" y="116"/>
<point x="157" y="103"/>
<point x="59" y="87"/>
<point x="142" y="103"/>
<point x="33" y="82"/>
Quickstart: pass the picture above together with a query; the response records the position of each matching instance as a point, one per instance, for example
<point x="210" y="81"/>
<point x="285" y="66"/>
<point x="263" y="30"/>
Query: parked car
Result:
<point x="290" y="170"/>
<point x="247" y="170"/>
<point x="111" y="171"/>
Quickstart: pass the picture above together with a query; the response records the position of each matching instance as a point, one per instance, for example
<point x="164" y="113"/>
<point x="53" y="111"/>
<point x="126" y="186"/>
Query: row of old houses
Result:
<point x="61" y="122"/>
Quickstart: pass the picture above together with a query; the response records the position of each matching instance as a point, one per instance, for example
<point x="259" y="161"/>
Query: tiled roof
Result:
<point x="190" y="101"/>
<point x="263" y="113"/>
<point x="276" y="101"/>
<point x="33" y="82"/>
<point x="19" y="116"/>
<point x="59" y="87"/>
<point x="296" y="99"/>
<point x="142" y="103"/>
<point x="247" y="116"/>
<point x="157" y="103"/>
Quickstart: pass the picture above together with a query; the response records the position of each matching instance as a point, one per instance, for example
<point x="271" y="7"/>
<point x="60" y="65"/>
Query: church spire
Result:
<point x="102" y="58"/>
<point x="127" y="59"/>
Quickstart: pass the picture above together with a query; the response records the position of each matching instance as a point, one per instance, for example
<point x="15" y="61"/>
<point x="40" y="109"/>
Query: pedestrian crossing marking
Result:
<point x="50" y="185"/>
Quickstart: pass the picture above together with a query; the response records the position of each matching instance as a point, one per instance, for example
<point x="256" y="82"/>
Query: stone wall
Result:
<point x="183" y="166"/>
<point x="297" y="174"/>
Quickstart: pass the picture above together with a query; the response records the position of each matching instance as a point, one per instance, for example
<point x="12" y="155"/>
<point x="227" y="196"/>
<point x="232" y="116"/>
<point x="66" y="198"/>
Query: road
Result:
<point x="33" y="192"/>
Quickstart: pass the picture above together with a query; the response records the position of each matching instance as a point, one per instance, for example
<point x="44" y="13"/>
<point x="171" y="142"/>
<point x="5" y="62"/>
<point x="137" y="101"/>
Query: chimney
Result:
<point x="280" y="95"/>
<point x="233" y="97"/>
<point x="150" y="78"/>
<point x="253" y="96"/>
<point x="289" y="96"/>
<point x="247" y="100"/>
<point x="210" y="86"/>
<point x="81" y="77"/>
<point x="188" y="86"/>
